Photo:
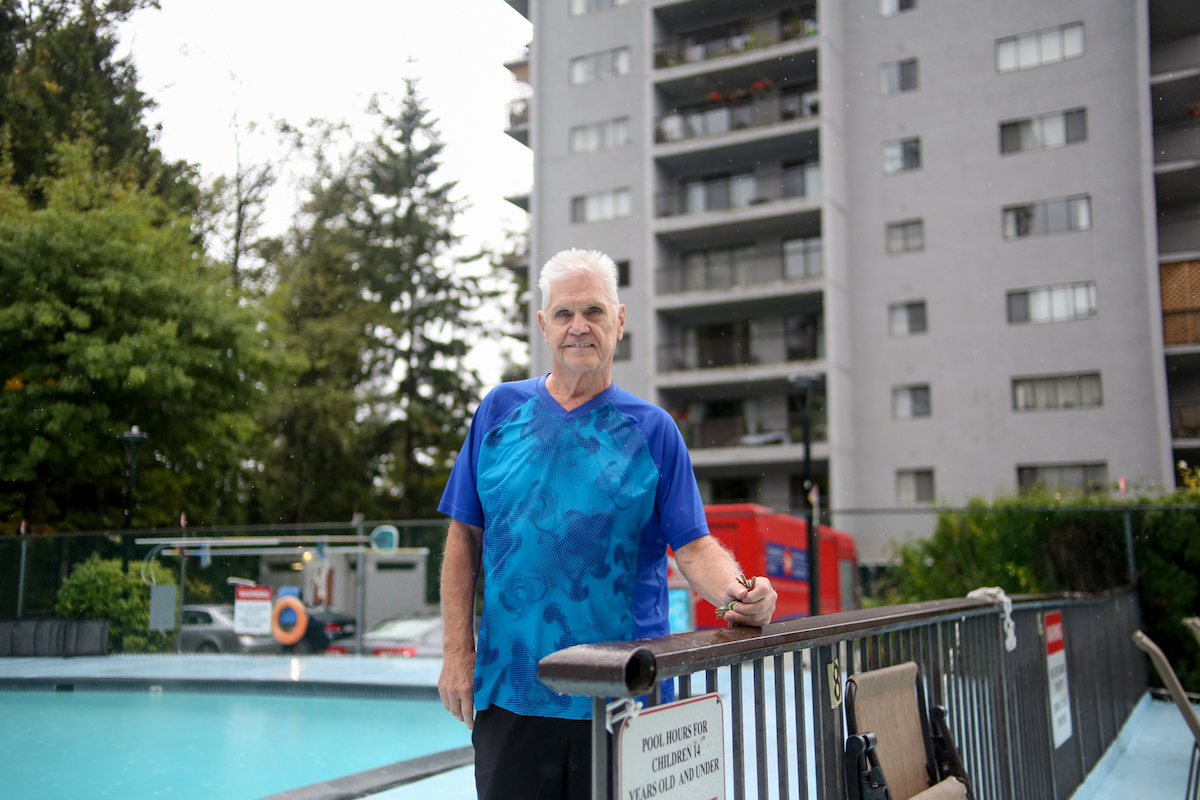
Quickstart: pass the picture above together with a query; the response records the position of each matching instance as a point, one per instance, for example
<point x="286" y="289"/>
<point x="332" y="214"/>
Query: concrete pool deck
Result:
<point x="309" y="674"/>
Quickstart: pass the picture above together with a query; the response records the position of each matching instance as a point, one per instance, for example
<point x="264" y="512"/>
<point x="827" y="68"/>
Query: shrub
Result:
<point x="98" y="589"/>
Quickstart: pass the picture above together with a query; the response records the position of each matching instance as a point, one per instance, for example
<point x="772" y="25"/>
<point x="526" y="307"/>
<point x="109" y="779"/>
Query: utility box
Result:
<point x="394" y="582"/>
<point x="776" y="546"/>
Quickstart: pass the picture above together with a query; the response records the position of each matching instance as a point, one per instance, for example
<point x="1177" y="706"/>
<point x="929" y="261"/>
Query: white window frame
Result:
<point x="888" y="86"/>
<point x="579" y="7"/>
<point x="601" y="206"/>
<point x="896" y="155"/>
<point x="1039" y="48"/>
<point x="1044" y="131"/>
<point x="594" y="136"/>
<point x="1056" y="302"/>
<point x="1057" y="392"/>
<point x="1076" y="210"/>
<point x="601" y="65"/>
<point x="908" y="232"/>
<point x="900" y="318"/>
<point x="909" y="485"/>
<point x="904" y="401"/>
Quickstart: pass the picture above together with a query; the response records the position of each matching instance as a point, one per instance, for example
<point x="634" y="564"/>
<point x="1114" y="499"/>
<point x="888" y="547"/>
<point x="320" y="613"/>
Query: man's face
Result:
<point x="581" y="325"/>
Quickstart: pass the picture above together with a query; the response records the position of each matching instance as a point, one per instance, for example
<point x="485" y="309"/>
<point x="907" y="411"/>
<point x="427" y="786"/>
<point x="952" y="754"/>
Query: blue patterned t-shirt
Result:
<point x="577" y="509"/>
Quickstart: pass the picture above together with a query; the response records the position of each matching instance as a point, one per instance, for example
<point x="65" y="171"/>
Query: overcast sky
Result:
<point x="205" y="62"/>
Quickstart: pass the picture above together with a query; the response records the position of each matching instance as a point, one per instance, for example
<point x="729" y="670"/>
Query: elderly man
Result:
<point x="568" y="491"/>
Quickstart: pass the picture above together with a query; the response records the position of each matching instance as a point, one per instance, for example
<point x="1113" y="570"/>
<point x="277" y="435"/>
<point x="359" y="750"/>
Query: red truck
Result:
<point x="774" y="545"/>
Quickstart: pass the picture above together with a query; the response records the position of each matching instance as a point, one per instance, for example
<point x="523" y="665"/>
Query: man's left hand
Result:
<point x="753" y="607"/>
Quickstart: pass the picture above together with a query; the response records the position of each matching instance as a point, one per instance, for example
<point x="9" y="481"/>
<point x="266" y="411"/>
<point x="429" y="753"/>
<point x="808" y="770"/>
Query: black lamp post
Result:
<point x="132" y="439"/>
<point x="807" y="384"/>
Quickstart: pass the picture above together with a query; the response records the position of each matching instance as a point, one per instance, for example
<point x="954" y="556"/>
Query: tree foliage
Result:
<point x="112" y="318"/>
<point x="377" y="308"/>
<point x="61" y="79"/>
<point x="1042" y="543"/>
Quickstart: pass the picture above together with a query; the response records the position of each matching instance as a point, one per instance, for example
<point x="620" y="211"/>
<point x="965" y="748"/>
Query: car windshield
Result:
<point x="405" y="629"/>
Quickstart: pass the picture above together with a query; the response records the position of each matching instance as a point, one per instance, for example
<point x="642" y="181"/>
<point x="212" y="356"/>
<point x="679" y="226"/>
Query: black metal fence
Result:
<point x="783" y="687"/>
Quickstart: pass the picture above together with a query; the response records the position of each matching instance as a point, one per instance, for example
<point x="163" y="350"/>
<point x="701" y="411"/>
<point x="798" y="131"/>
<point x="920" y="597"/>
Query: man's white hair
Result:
<point x="578" y="264"/>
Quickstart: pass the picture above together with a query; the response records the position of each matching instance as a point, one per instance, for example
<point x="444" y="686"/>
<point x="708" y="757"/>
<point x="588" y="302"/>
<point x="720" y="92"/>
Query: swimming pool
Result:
<point x="204" y="746"/>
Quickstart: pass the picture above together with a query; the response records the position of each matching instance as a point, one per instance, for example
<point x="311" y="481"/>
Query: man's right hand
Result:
<point x="456" y="685"/>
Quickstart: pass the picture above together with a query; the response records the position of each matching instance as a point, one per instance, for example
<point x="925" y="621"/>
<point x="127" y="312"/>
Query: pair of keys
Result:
<point x="725" y="609"/>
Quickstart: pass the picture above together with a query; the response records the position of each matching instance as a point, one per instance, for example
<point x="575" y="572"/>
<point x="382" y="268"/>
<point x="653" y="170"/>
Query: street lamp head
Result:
<point x="133" y="439"/>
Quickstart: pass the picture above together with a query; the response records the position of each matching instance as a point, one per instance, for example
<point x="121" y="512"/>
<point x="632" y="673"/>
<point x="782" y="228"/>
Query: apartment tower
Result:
<point x="951" y="228"/>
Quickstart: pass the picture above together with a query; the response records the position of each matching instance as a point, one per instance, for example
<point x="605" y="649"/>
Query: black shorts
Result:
<point x="539" y="758"/>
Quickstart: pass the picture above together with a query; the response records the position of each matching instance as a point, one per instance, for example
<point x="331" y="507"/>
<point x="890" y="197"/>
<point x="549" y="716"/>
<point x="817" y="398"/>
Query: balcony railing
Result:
<point x="736" y="351"/>
<point x="740" y="191"/>
<point x="737" y="114"/>
<point x="740" y="37"/>
<point x="518" y="113"/>
<point x="784" y="713"/>
<point x="749" y="271"/>
<point x="1185" y="420"/>
<point x="735" y="431"/>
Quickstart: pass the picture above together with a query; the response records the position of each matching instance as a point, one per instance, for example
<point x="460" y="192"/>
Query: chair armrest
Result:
<point x="864" y="776"/>
<point x="949" y="762"/>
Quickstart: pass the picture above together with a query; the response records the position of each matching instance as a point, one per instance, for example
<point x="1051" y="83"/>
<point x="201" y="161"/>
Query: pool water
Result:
<point x="204" y="746"/>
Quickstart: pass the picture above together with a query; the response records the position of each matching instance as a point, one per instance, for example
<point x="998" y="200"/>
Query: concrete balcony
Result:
<point x="699" y="277"/>
<point x="518" y="120"/>
<point x="734" y="38"/>
<point x="738" y="198"/>
<point x="725" y="116"/>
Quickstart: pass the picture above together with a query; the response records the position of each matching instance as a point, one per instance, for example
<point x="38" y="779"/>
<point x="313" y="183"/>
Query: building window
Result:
<point x="907" y="236"/>
<point x="624" y="348"/>
<point x="589" y="6"/>
<point x="901" y="155"/>
<point x="802" y="258"/>
<point x="905" y="319"/>
<point x="914" y="486"/>
<point x="1047" y="46"/>
<point x="622" y="275"/>
<point x="898" y="76"/>
<point x="909" y="402"/>
<point x="1044" y="132"/>
<point x="600" y="135"/>
<point x="1058" y="391"/>
<point x="600" y="206"/>
<point x="1087" y="478"/>
<point x="1048" y="216"/>
<point x="597" y="66"/>
<point x="889" y="7"/>
<point x="1061" y="302"/>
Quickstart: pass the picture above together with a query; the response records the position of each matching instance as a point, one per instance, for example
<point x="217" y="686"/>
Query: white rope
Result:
<point x="997" y="594"/>
<point x="619" y="709"/>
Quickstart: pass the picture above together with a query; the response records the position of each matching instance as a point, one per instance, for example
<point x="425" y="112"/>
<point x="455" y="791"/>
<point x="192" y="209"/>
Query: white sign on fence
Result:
<point x="1056" y="668"/>
<point x="674" y="752"/>
<point x="252" y="610"/>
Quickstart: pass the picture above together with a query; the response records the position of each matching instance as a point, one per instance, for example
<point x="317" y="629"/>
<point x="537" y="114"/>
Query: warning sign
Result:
<point x="252" y="610"/>
<point x="674" y="752"/>
<point x="1056" y="668"/>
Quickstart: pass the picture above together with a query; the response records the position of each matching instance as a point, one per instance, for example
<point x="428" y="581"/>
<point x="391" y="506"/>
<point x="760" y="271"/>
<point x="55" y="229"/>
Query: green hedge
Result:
<point x="1045" y="543"/>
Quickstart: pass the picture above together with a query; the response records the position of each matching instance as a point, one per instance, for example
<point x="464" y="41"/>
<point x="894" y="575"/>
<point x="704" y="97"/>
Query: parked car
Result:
<point x="326" y="628"/>
<point x="209" y="629"/>
<point x="404" y="636"/>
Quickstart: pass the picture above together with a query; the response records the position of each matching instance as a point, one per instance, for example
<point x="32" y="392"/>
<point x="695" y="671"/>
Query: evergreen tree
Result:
<point x="380" y="312"/>
<point x="59" y="79"/>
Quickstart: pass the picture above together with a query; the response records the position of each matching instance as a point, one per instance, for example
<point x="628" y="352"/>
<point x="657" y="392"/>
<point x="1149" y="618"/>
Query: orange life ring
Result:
<point x="297" y="631"/>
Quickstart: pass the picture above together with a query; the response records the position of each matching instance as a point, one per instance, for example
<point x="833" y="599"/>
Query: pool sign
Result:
<point x="674" y="752"/>
<point x="1056" y="667"/>
<point x="252" y="610"/>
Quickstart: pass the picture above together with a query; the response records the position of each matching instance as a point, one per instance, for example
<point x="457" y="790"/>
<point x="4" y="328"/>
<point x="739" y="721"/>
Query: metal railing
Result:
<point x="737" y="351"/>
<point x="518" y="113"/>
<point x="737" y="114"/>
<point x="739" y="191"/>
<point x="1185" y="421"/>
<point x="785" y="720"/>
<point x="736" y="38"/>
<point x="734" y="432"/>
<point x="739" y="271"/>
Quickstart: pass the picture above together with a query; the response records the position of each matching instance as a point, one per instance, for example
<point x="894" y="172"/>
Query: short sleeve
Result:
<point x="460" y="500"/>
<point x="680" y="508"/>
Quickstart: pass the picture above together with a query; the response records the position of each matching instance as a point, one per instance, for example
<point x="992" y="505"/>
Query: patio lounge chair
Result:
<point x="1189" y="714"/>
<point x="892" y="752"/>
